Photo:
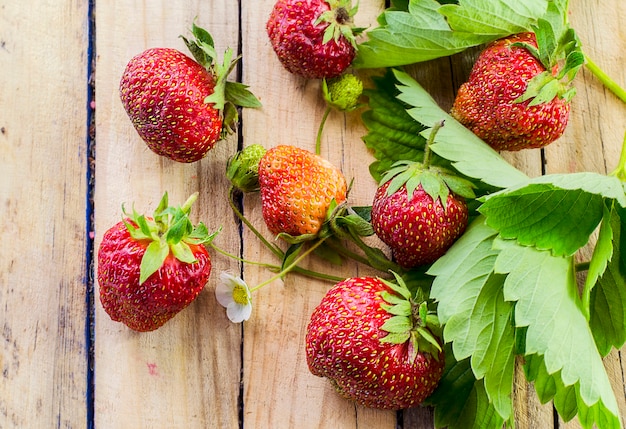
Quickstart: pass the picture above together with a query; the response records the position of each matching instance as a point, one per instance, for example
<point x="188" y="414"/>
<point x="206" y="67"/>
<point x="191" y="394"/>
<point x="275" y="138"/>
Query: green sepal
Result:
<point x="396" y="337"/>
<point x="437" y="182"/>
<point x="396" y="325"/>
<point x="153" y="259"/>
<point x="340" y="22"/>
<point x="169" y="230"/>
<point x="226" y="96"/>
<point x="243" y="168"/>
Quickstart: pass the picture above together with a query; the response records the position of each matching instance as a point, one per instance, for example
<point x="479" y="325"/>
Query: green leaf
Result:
<point x="486" y="334"/>
<point x="468" y="154"/>
<point x="392" y="134"/>
<point x="606" y="283"/>
<point x="460" y="401"/>
<point x="462" y="272"/>
<point x="153" y="259"/>
<point x="239" y="95"/>
<point x="545" y="293"/>
<point x="556" y="212"/>
<point x="427" y="30"/>
<point x="566" y="399"/>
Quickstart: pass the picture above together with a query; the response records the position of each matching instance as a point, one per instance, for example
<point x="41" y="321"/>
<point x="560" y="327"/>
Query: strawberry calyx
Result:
<point x="340" y="22"/>
<point x="227" y="95"/>
<point x="168" y="231"/>
<point x="436" y="181"/>
<point x="411" y="320"/>
<point x="559" y="51"/>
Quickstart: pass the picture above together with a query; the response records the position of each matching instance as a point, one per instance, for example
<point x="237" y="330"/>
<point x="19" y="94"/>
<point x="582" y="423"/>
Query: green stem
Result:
<point x="271" y="267"/>
<point x="290" y="267"/>
<point x="605" y="79"/>
<point x="273" y="248"/>
<point x="620" y="171"/>
<point x="374" y="259"/>
<point x="429" y="142"/>
<point x="318" y="140"/>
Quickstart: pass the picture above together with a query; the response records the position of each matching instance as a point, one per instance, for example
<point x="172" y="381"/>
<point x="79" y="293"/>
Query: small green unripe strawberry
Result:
<point x="343" y="92"/>
<point x="243" y="168"/>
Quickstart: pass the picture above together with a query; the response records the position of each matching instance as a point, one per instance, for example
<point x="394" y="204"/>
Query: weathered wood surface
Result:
<point x="199" y="370"/>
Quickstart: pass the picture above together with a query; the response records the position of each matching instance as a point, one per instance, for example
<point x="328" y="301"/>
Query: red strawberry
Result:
<point x="297" y="189"/>
<point x="313" y="38"/>
<point x="375" y="344"/>
<point x="512" y="99"/>
<point x="149" y="269"/>
<point x="419" y="210"/>
<point x="180" y="107"/>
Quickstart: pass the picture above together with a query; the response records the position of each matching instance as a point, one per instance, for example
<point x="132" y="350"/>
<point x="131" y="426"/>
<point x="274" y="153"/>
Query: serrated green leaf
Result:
<point x="566" y="399"/>
<point x="462" y="272"/>
<point x="426" y="30"/>
<point x="392" y="135"/>
<point x="545" y="293"/>
<point x="486" y="334"/>
<point x="557" y="212"/>
<point x="606" y="283"/>
<point x="460" y="401"/>
<point x="468" y="154"/>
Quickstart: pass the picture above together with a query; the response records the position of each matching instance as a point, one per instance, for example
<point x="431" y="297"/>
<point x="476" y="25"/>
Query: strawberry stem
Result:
<point x="318" y="140"/>
<point x="290" y="267"/>
<point x="620" y="171"/>
<point x="431" y="138"/>
<point x="605" y="79"/>
<point x="274" y="249"/>
<point x="231" y="200"/>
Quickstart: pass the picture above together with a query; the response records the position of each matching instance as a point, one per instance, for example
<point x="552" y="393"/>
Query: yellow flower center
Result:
<point x="240" y="295"/>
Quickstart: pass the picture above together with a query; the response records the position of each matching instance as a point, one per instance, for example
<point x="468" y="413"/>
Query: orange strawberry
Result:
<point x="297" y="189"/>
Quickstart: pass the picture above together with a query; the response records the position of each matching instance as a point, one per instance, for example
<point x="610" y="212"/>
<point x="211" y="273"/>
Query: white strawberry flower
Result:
<point x="233" y="293"/>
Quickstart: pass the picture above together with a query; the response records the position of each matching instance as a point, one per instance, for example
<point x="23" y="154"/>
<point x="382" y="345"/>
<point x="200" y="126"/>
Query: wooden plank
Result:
<point x="279" y="391"/>
<point x="186" y="374"/>
<point x="43" y="135"/>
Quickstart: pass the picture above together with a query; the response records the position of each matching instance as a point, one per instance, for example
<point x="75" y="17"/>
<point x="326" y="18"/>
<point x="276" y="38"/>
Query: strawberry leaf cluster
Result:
<point x="506" y="291"/>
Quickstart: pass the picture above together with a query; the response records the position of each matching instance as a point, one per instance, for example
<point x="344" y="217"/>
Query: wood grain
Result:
<point x="200" y="370"/>
<point x="43" y="268"/>
<point x="186" y="374"/>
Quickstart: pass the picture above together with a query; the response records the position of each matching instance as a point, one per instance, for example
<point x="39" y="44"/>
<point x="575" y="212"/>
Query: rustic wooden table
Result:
<point x="64" y="362"/>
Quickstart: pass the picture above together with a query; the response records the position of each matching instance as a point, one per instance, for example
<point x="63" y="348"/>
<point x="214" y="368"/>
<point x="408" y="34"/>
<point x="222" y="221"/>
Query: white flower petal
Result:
<point x="224" y="293"/>
<point x="238" y="313"/>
